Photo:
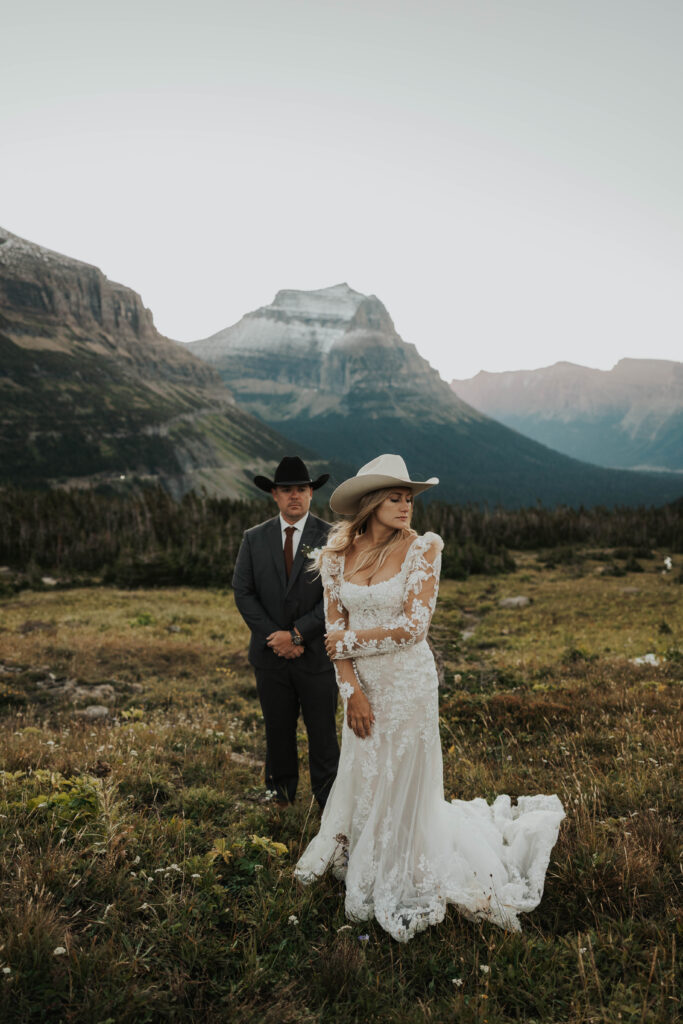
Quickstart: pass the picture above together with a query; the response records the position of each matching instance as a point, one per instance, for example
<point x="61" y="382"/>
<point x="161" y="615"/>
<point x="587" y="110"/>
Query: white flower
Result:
<point x="133" y="753"/>
<point x="196" y="876"/>
<point x="668" y="564"/>
<point x="583" y="949"/>
<point x="7" y="970"/>
<point x="484" y="968"/>
<point x="58" y="951"/>
<point x="457" y="982"/>
<point x="137" y="859"/>
<point x="293" y="919"/>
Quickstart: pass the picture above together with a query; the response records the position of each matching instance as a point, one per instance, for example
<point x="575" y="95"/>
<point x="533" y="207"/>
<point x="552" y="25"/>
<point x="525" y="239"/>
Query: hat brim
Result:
<point x="346" y="498"/>
<point x="264" y="484"/>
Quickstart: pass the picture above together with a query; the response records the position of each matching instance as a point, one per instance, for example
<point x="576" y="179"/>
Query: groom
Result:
<point x="282" y="603"/>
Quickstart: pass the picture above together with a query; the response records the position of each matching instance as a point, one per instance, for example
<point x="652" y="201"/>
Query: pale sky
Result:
<point x="504" y="174"/>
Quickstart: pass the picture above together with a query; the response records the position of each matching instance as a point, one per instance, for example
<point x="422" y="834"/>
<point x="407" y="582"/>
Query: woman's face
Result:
<point x="396" y="510"/>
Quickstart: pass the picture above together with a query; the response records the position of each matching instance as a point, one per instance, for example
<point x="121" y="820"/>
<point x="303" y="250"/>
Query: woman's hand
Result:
<point x="359" y="714"/>
<point x="331" y="640"/>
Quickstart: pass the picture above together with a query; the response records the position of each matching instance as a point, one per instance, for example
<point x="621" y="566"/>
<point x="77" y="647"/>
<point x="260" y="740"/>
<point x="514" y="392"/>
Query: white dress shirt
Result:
<point x="296" y="536"/>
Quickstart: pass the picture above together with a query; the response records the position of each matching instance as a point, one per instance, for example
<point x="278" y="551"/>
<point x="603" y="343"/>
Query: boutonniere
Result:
<point x="309" y="552"/>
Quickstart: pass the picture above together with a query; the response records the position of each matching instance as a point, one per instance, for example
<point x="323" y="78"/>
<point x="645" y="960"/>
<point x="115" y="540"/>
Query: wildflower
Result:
<point x="509" y="757"/>
<point x="58" y="951"/>
<point x="50" y="743"/>
<point x="668" y="564"/>
<point x="457" y="982"/>
<point x="196" y="875"/>
<point x="137" y="859"/>
<point x="583" y="949"/>
<point x="133" y="753"/>
<point x="484" y="968"/>
<point x="293" y="919"/>
<point x="7" y="970"/>
<point x="363" y="938"/>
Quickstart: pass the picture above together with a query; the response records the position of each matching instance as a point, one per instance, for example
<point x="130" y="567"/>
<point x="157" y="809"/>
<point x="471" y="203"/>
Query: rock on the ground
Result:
<point x="93" y="713"/>
<point x="514" y="602"/>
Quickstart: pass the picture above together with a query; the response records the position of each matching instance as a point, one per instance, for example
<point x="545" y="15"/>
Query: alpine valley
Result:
<point x="328" y="369"/>
<point x="91" y="393"/>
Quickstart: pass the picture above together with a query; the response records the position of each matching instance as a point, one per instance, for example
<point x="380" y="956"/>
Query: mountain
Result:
<point x="91" y="393"/>
<point x="628" y="417"/>
<point x="328" y="368"/>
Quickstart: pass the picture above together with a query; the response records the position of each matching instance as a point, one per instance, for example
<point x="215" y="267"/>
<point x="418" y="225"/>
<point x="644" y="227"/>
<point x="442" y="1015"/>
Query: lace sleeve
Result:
<point x="336" y="615"/>
<point x="412" y="625"/>
<point x="336" y="618"/>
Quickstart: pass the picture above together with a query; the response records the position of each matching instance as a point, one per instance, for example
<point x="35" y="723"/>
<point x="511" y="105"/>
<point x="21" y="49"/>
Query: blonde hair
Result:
<point x="343" y="534"/>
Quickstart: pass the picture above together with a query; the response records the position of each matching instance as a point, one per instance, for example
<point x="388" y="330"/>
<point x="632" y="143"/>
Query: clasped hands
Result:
<point x="280" y="642"/>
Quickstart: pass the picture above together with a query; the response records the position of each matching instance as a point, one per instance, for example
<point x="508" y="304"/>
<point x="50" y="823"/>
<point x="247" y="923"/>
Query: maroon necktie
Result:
<point x="289" y="549"/>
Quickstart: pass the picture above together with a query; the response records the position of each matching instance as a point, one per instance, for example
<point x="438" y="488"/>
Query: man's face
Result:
<point x="293" y="501"/>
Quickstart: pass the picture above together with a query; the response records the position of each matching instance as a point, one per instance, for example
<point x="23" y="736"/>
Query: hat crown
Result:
<point x="386" y="465"/>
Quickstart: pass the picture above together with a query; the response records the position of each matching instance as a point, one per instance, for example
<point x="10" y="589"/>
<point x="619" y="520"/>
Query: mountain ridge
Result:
<point x="630" y="416"/>
<point x="92" y="395"/>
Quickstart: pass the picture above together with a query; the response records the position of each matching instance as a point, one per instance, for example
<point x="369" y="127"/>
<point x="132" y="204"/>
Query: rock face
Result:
<point x="90" y="392"/>
<point x="314" y="353"/>
<point x="328" y="368"/>
<point x="628" y="417"/>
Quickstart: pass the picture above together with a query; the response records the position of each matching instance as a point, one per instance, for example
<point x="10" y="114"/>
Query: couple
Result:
<point x="386" y="829"/>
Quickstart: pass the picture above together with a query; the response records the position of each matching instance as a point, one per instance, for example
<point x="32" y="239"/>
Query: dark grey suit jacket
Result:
<point x="268" y="601"/>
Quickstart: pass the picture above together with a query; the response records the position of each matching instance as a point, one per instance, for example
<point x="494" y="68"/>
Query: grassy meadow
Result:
<point x="146" y="878"/>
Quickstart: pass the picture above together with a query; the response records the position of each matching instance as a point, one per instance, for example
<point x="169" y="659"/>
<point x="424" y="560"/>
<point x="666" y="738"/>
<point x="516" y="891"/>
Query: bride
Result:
<point x="403" y="850"/>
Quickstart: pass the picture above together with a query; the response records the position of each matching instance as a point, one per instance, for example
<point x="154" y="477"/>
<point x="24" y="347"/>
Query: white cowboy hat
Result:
<point x="384" y="471"/>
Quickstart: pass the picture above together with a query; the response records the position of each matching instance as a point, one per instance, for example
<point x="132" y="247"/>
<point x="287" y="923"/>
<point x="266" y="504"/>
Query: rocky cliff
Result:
<point x="90" y="392"/>
<point x="629" y="417"/>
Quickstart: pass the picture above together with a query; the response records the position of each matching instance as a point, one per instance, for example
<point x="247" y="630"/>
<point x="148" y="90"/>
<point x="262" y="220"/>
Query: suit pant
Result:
<point x="284" y="691"/>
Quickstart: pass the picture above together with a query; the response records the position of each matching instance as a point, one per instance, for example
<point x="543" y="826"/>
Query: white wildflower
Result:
<point x="457" y="982"/>
<point x="196" y="876"/>
<point x="292" y="919"/>
<point x="7" y="970"/>
<point x="58" y="951"/>
<point x="668" y="564"/>
<point x="133" y="753"/>
<point x="137" y="859"/>
<point x="484" y="968"/>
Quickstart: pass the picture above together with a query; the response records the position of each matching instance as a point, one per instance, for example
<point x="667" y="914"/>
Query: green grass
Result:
<point x="142" y="848"/>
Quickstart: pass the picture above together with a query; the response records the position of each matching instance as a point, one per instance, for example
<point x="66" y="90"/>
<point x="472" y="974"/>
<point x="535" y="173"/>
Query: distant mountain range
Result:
<point x="91" y="393"/>
<point x="628" y="417"/>
<point x="328" y="369"/>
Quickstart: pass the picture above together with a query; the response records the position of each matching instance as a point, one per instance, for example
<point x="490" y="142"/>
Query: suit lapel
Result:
<point x="308" y="538"/>
<point x="275" y="545"/>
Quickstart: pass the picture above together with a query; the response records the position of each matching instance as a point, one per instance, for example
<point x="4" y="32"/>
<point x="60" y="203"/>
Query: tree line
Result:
<point x="150" y="539"/>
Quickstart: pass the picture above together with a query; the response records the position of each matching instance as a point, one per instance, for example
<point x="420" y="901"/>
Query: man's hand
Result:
<point x="359" y="714"/>
<point x="280" y="642"/>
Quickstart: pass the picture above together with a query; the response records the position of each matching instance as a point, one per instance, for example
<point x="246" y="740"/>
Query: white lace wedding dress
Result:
<point x="404" y="851"/>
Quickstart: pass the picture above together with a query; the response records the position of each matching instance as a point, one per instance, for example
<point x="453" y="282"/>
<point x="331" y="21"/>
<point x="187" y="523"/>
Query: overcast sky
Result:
<point x="504" y="174"/>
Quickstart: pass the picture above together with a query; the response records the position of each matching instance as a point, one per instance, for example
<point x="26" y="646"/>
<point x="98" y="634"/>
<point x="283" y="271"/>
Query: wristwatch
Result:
<point x="297" y="639"/>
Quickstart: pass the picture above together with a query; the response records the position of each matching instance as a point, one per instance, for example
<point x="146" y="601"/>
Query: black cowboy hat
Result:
<point x="289" y="473"/>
